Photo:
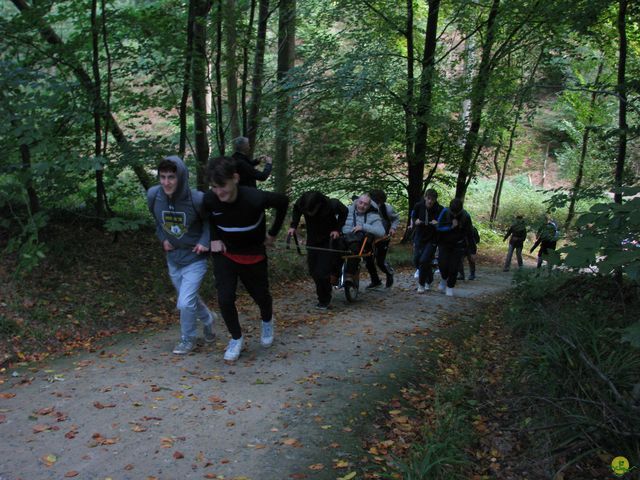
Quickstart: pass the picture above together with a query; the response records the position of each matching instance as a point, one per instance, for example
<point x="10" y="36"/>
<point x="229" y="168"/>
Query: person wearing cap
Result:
<point x="324" y="218"/>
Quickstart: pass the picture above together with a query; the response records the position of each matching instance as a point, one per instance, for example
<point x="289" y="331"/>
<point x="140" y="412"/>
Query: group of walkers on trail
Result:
<point x="230" y="222"/>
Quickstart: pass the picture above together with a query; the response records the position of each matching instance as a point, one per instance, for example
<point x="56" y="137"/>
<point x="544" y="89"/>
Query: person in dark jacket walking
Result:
<point x="518" y="233"/>
<point x="454" y="228"/>
<point x="246" y="167"/>
<point x="238" y="237"/>
<point x="546" y="237"/>
<point x="324" y="218"/>
<point x="177" y="211"/>
<point x="425" y="241"/>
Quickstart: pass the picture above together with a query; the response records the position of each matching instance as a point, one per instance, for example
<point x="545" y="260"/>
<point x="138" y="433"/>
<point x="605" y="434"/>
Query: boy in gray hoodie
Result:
<point x="177" y="210"/>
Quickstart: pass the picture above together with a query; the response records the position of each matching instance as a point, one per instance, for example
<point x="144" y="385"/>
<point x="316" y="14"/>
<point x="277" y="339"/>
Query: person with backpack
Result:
<point x="239" y="236"/>
<point x="454" y="229"/>
<point x="323" y="218"/>
<point x="425" y="240"/>
<point x="546" y="237"/>
<point x="390" y="221"/>
<point x="470" y="254"/>
<point x="177" y="211"/>
<point x="518" y="233"/>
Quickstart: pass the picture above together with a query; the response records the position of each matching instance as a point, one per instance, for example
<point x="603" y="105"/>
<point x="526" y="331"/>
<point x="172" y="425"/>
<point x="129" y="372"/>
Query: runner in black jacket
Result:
<point x="238" y="237"/>
<point x="324" y="218"/>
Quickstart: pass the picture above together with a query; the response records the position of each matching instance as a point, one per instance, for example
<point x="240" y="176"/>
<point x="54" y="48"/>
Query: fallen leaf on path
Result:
<point x="348" y="476"/>
<point x="71" y="473"/>
<point x="316" y="466"/>
<point x="103" y="405"/>
<point x="178" y="455"/>
<point x="3" y="418"/>
<point x="7" y="395"/>
<point x="129" y="467"/>
<point x="41" y="428"/>
<point x="49" y="459"/>
<point x="341" y="464"/>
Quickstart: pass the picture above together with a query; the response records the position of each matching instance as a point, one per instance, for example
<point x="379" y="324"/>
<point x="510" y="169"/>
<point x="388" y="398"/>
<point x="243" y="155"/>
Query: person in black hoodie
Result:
<point x="246" y="167"/>
<point x="238" y="237"/>
<point x="324" y="218"/>
<point x="425" y="221"/>
<point x="454" y="230"/>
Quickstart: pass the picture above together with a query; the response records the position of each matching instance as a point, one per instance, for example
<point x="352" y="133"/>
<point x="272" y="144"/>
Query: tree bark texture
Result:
<point x="199" y="87"/>
<point x="186" y="82"/>
<point x="258" y="74"/>
<point x="231" y="65"/>
<point x="622" y="98"/>
<point x="478" y="96"/>
<point x="284" y="113"/>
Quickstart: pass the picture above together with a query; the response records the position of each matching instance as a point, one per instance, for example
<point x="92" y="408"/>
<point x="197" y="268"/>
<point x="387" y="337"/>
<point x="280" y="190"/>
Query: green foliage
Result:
<point x="607" y="238"/>
<point x="441" y="455"/>
<point x="23" y="224"/>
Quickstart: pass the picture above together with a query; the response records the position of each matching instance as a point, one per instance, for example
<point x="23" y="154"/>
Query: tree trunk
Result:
<point x="499" y="178"/>
<point x="544" y="166"/>
<point x="186" y="82"/>
<point x="414" y="170"/>
<point x="245" y="68"/>
<point x="258" y="72"/>
<point x="51" y="37"/>
<point x="199" y="93"/>
<point x="424" y="105"/>
<point x="231" y="63"/>
<point x="97" y="114"/>
<point x="284" y="114"/>
<point x="583" y="150"/>
<point x="220" y="131"/>
<point x="478" y="96"/>
<point x="622" y="96"/>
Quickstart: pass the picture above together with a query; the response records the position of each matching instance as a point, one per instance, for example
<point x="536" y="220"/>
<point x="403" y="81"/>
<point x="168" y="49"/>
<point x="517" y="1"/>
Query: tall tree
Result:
<point x="478" y="96"/>
<point x="186" y="81"/>
<point x="286" y="55"/>
<point x="101" y="193"/>
<point x="231" y="65"/>
<point x="201" y="10"/>
<point x="258" y="74"/>
<point x="622" y="98"/>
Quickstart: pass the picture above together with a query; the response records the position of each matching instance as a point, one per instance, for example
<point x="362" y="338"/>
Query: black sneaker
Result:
<point x="389" y="282"/>
<point x="322" y="306"/>
<point x="373" y="285"/>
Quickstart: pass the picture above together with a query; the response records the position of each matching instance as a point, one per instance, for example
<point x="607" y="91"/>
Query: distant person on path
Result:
<point x="362" y="219"/>
<point x="518" y="233"/>
<point x="470" y="254"/>
<point x="425" y="240"/>
<point x="390" y="221"/>
<point x="546" y="237"/>
<point x="324" y="218"/>
<point x="246" y="167"/>
<point x="454" y="228"/>
<point x="177" y="211"/>
<point x="238" y="238"/>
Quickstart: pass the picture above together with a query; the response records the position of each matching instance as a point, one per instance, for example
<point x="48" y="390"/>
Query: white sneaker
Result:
<point x="449" y="292"/>
<point x="421" y="289"/>
<point x="417" y="274"/>
<point x="233" y="350"/>
<point x="442" y="286"/>
<point x="266" y="338"/>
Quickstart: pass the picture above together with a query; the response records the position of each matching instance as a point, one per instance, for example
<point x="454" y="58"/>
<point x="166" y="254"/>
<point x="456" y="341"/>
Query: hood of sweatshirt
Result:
<point x="182" y="190"/>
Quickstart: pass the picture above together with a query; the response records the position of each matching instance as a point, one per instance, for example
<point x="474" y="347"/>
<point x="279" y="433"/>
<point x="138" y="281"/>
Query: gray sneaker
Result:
<point x="266" y="337"/>
<point x="185" y="346"/>
<point x="207" y="329"/>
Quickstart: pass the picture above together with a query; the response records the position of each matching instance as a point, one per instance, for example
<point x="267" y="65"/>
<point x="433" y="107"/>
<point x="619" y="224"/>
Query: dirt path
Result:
<point x="135" y="411"/>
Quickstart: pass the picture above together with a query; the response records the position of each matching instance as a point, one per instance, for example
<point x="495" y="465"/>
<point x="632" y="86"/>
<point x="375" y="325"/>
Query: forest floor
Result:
<point x="305" y="408"/>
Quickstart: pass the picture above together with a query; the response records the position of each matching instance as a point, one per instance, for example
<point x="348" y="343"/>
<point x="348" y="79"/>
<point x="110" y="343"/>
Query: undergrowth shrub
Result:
<point x="582" y="379"/>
